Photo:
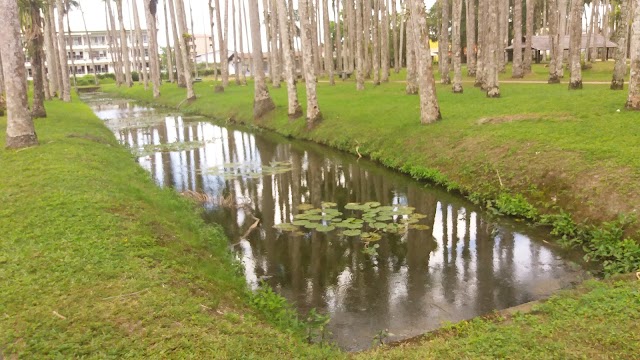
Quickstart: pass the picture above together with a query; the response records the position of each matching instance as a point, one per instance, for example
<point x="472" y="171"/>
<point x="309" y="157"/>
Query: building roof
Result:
<point x="543" y="42"/>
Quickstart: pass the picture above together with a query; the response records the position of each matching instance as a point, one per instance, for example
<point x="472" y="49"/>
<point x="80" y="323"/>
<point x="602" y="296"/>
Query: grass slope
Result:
<point x="96" y="261"/>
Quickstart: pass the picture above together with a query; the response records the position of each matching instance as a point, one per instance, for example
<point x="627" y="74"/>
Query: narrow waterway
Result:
<point x="438" y="258"/>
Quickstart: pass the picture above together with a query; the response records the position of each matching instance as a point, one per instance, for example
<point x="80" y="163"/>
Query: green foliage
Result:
<point x="113" y="265"/>
<point x="512" y="205"/>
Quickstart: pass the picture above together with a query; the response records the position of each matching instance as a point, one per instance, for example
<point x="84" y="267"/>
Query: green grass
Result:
<point x="96" y="261"/>
<point x="600" y="320"/>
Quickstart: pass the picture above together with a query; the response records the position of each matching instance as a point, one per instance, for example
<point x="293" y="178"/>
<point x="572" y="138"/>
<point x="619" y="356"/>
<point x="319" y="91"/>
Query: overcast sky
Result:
<point x="94" y="12"/>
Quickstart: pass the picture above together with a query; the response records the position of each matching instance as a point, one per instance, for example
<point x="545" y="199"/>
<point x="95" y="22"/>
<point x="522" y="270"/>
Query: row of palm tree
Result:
<point x="363" y="37"/>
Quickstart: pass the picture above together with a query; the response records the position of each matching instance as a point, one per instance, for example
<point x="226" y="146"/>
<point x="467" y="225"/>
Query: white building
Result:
<point x="81" y="56"/>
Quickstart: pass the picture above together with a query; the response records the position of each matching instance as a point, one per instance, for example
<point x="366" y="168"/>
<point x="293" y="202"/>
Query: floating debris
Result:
<point x="249" y="170"/>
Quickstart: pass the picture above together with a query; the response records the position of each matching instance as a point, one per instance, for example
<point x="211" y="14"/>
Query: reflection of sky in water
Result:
<point x="467" y="264"/>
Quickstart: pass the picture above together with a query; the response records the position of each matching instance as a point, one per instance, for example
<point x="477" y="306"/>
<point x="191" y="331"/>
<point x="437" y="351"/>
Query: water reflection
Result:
<point x="467" y="264"/>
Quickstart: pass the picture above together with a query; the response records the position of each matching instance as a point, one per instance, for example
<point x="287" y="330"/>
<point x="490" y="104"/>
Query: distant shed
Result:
<point x="542" y="43"/>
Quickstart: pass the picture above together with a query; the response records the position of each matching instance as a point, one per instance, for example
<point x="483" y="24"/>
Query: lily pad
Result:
<point x="304" y="207"/>
<point x="311" y="225"/>
<point x="369" y="236"/>
<point x="286" y="227"/>
<point x="372" y="204"/>
<point x="300" y="222"/>
<point x="325" y="228"/>
<point x="354" y="232"/>
<point x="379" y="225"/>
<point x="409" y="221"/>
<point x="384" y="218"/>
<point x="314" y="217"/>
<point x="328" y="204"/>
<point x="418" y="216"/>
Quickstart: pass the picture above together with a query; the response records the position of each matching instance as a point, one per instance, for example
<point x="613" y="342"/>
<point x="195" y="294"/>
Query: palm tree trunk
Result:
<point x="180" y="71"/>
<point x="429" y="108"/>
<point x="622" y="34"/>
<point x="384" y="42"/>
<point x="86" y="33"/>
<point x="402" y="41"/>
<point x="562" y="31"/>
<point x="633" y="100"/>
<point x="248" y="34"/>
<point x="166" y="31"/>
<point x="222" y="43"/>
<point x="517" y="71"/>
<point x="3" y="104"/>
<point x="62" y="46"/>
<point x="577" y="7"/>
<point x="314" y="22"/>
<point x="481" y="48"/>
<point x="328" y="44"/>
<point x="352" y="8"/>
<point x="555" y="41"/>
<point x="236" y="61"/>
<point x="73" y="56"/>
<point x="144" y="74"/>
<point x="276" y="58"/>
<point x="605" y="29"/>
<point x="124" y="45"/>
<point x="366" y="28"/>
<point x="262" y="102"/>
<point x="35" y="45"/>
<point x="150" y="7"/>
<point x="412" y="57"/>
<point x="313" y="111"/>
<point x="192" y="42"/>
<point x="182" y="27"/>
<point x="456" y="19"/>
<point x="294" y="110"/>
<point x="117" y="47"/>
<point x="43" y="69"/>
<point x="396" y="53"/>
<point x="243" y="75"/>
<point x="339" y="24"/>
<point x="444" y="43"/>
<point x="503" y="21"/>
<point x="360" y="47"/>
<point x="470" y="8"/>
<point x="52" y="54"/>
<point x="526" y="65"/>
<point x="590" y="29"/>
<point x="375" y="44"/>
<point x="20" y="130"/>
<point x="493" y="40"/>
<point x="213" y="42"/>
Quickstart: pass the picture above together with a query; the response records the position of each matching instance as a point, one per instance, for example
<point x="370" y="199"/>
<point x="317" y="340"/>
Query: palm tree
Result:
<point x="328" y="44"/>
<point x="52" y="53"/>
<point x="633" y="100"/>
<point x="20" y="130"/>
<point x="517" y="71"/>
<point x="294" y="110"/>
<point x="116" y="52"/>
<point x="276" y="58"/>
<point x="577" y="6"/>
<point x="313" y="110"/>
<point x="222" y="43"/>
<point x="124" y="45"/>
<point x="456" y="18"/>
<point x="177" y="47"/>
<point x="3" y="104"/>
<point x="243" y="76"/>
<point x="396" y="52"/>
<point x="360" y="47"/>
<point x="183" y="36"/>
<point x="169" y="52"/>
<point x="86" y="33"/>
<point x="62" y="52"/>
<point x="444" y="43"/>
<point x="339" y="33"/>
<point x="140" y="43"/>
<point x="213" y="43"/>
<point x="620" y="67"/>
<point x="384" y="41"/>
<point x="429" y="108"/>
<point x="493" y="41"/>
<point x="412" y="58"/>
<point x="68" y="5"/>
<point x="530" y="4"/>
<point x="32" y="28"/>
<point x="555" y="36"/>
<point x="481" y="44"/>
<point x="262" y="102"/>
<point x="470" y="7"/>
<point x="376" y="44"/>
<point x="150" y="7"/>
<point x="236" y="61"/>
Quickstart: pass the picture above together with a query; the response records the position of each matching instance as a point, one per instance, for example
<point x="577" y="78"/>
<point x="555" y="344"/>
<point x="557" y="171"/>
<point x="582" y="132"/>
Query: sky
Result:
<point x="94" y="11"/>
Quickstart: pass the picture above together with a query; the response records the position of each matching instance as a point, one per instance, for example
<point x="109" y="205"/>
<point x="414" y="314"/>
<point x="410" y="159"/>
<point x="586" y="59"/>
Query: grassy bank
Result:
<point x="540" y="152"/>
<point x="96" y="261"/>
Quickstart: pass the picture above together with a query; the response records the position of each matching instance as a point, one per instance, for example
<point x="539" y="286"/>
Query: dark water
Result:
<point x="467" y="264"/>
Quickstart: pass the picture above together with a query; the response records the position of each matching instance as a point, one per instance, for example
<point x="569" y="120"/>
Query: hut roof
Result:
<point x="543" y="43"/>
